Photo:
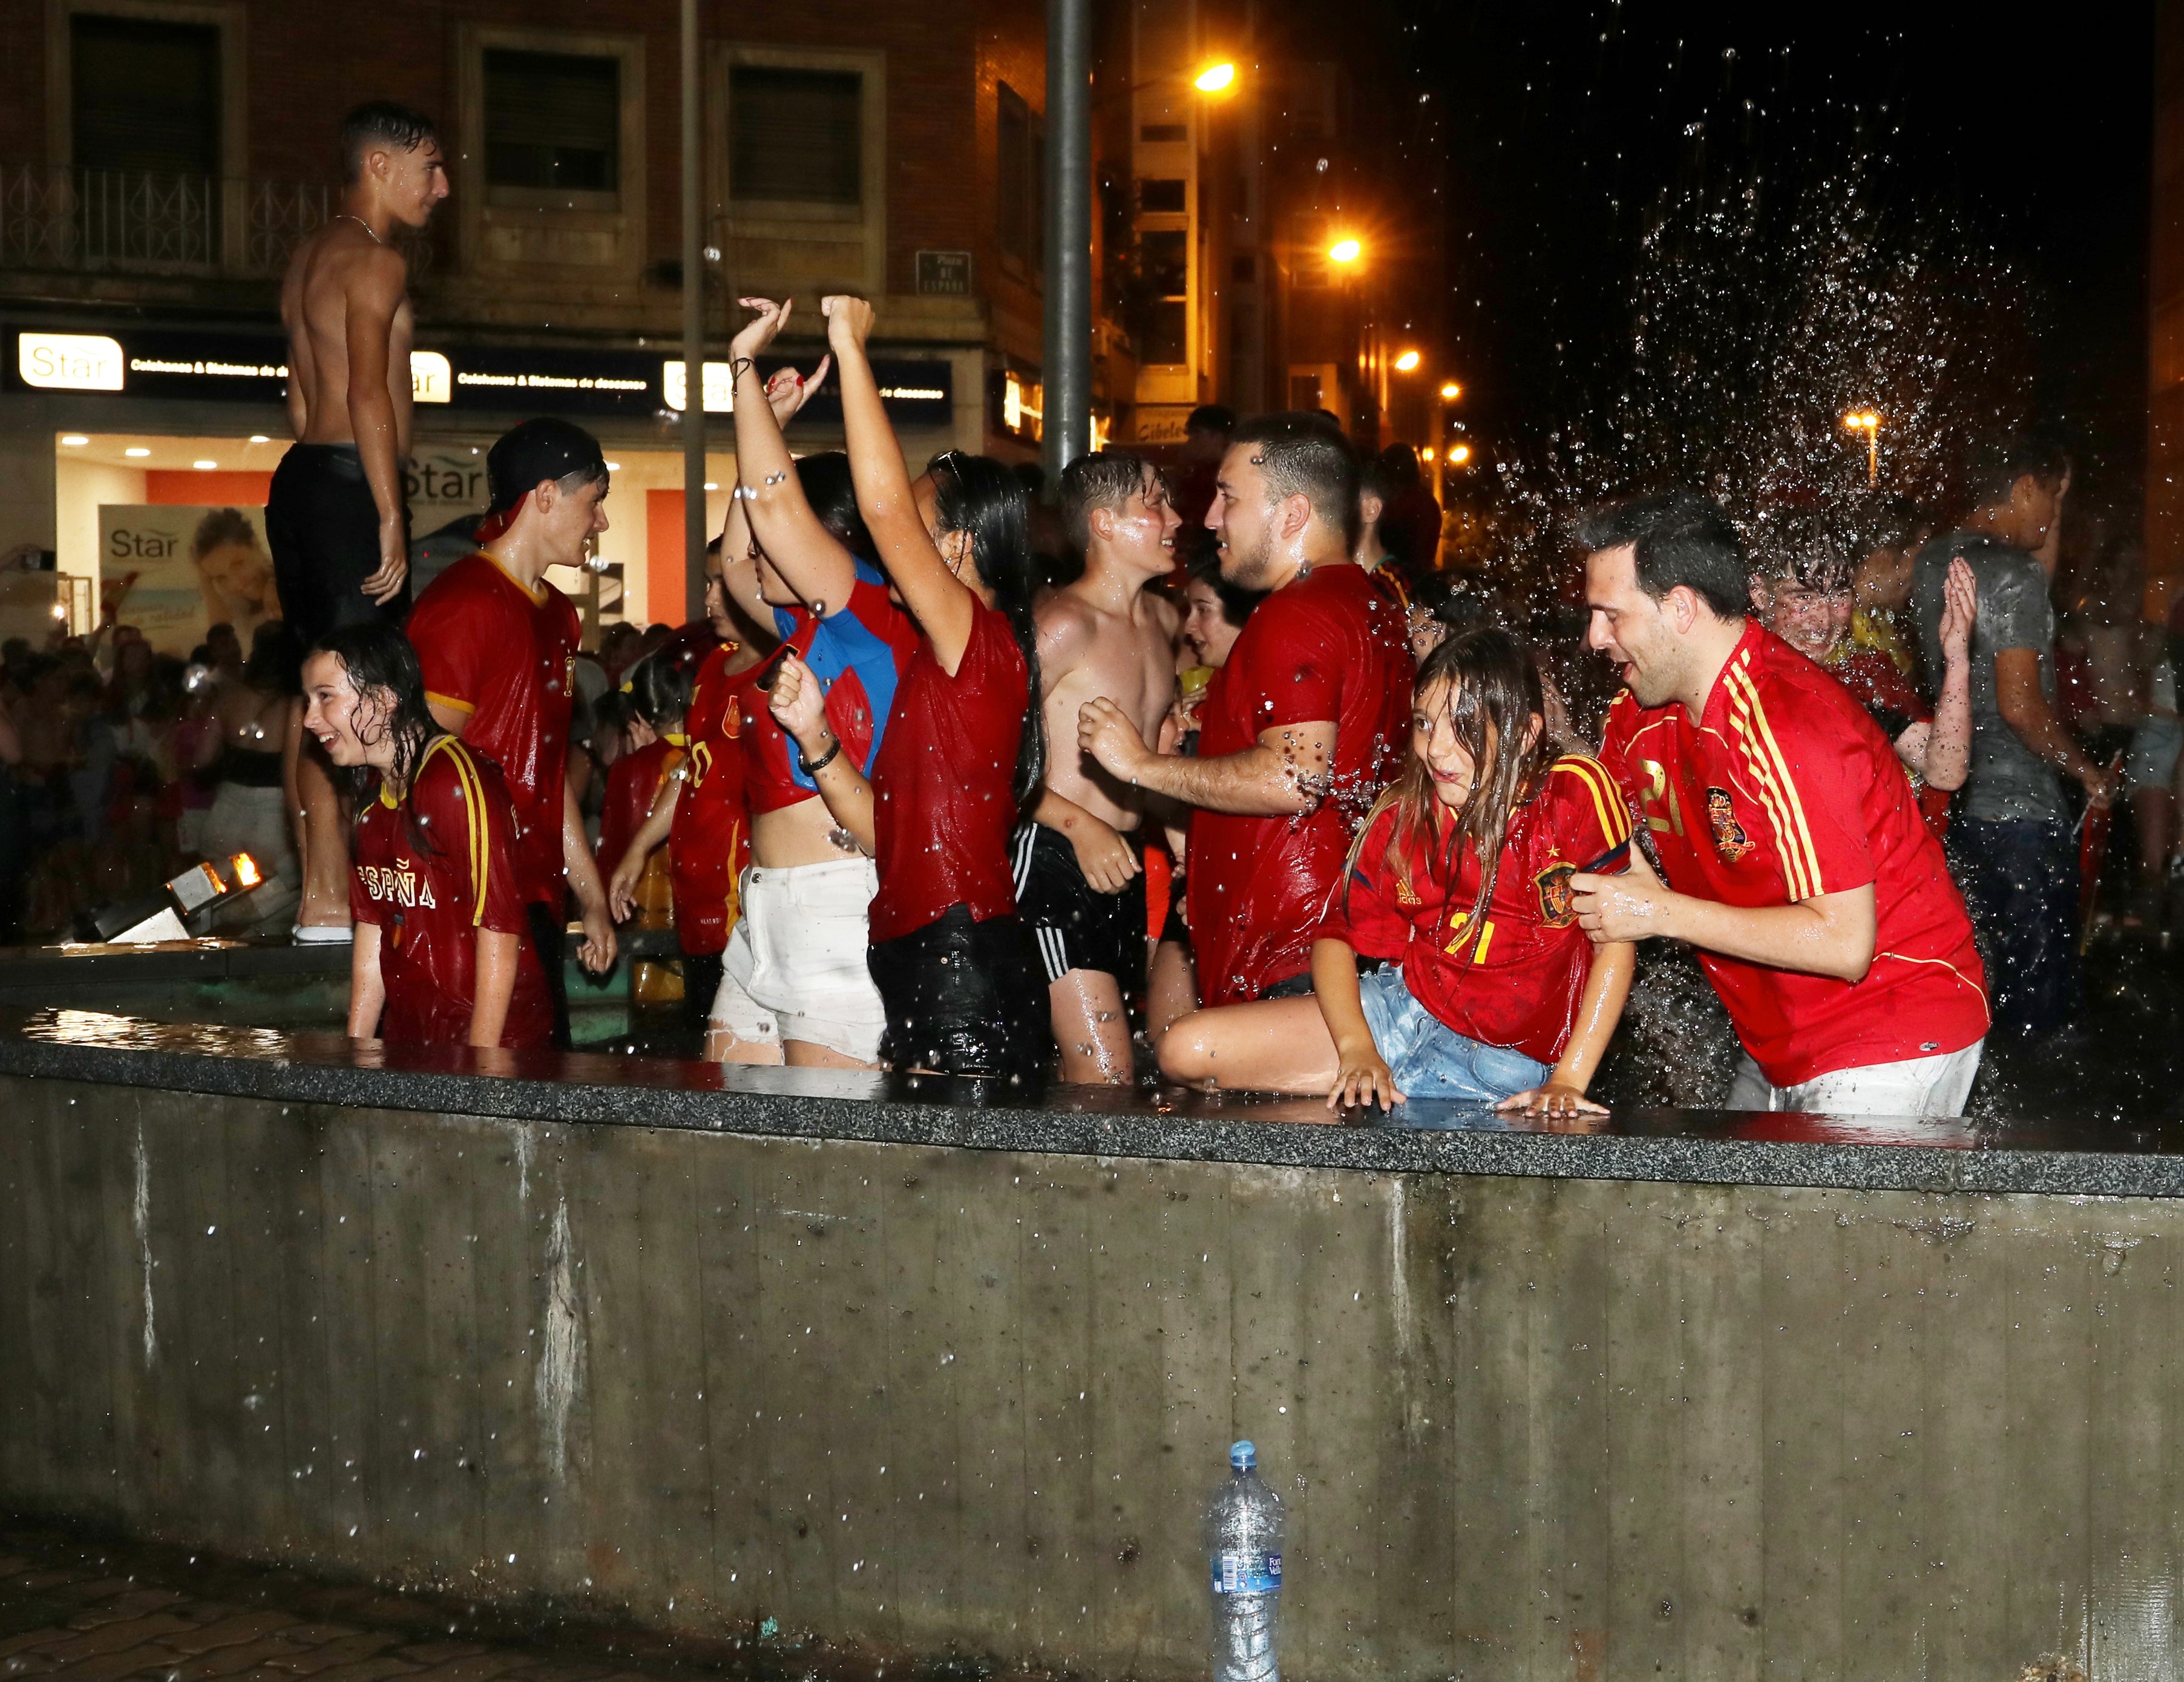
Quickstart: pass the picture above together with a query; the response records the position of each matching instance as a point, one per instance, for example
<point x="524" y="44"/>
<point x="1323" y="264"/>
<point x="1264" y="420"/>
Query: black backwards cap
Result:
<point x="543" y="448"/>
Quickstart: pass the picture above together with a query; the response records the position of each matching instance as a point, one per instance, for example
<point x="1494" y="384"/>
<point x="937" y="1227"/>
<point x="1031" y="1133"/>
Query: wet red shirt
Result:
<point x="431" y="870"/>
<point x="505" y="656"/>
<point x="1786" y="790"/>
<point x="859" y="653"/>
<point x="632" y="785"/>
<point x="1329" y="646"/>
<point x="1517" y="979"/>
<point x="943" y="796"/>
<point x="710" y="843"/>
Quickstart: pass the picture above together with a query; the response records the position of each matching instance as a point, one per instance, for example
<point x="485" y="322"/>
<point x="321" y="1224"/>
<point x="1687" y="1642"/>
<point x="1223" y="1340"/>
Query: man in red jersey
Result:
<point x="1794" y="856"/>
<point x="497" y="644"/>
<point x="1300" y="727"/>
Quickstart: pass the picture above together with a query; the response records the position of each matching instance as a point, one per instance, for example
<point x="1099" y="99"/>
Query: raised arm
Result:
<point x="942" y="603"/>
<point x="373" y="296"/>
<point x="807" y="555"/>
<point x="799" y="704"/>
<point x="1944" y="759"/>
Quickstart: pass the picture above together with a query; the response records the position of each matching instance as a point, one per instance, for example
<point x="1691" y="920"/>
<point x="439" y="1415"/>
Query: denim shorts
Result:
<point x="1430" y="1059"/>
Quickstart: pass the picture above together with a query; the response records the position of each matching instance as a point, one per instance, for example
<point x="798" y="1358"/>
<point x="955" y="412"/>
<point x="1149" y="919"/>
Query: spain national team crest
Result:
<point x="1557" y="903"/>
<point x="1730" y="839"/>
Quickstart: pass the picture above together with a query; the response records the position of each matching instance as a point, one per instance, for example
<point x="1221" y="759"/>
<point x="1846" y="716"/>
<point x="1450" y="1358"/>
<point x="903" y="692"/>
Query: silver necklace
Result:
<point x="344" y="216"/>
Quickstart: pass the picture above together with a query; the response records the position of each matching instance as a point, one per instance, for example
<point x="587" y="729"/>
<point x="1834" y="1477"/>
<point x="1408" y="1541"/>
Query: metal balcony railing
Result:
<point x="88" y="221"/>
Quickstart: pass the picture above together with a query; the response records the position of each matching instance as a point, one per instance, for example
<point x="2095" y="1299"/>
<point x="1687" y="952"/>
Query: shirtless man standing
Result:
<point x="1079" y="885"/>
<point x="335" y="517"/>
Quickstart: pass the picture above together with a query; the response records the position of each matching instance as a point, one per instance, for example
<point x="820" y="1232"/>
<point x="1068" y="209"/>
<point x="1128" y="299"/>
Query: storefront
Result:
<point x="150" y="450"/>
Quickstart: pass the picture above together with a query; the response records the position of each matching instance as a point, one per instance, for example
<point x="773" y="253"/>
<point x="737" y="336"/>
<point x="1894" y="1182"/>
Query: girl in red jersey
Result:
<point x="1498" y="996"/>
<point x="963" y="752"/>
<point x="442" y="954"/>
<point x="639" y="877"/>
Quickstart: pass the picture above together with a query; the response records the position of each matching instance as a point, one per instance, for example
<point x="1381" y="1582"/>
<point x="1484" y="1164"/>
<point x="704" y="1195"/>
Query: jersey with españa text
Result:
<point x="1786" y="789"/>
<point x="859" y="653"/>
<point x="710" y="843"/>
<point x="1516" y="980"/>
<point x="431" y="870"/>
<point x="506" y="656"/>
<point x="944" y="797"/>
<point x="1331" y="645"/>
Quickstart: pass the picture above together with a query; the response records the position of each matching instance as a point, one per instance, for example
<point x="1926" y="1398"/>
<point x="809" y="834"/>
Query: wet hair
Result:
<point x="1105" y="478"/>
<point x="222" y="526"/>
<point x="1899" y="524"/>
<point x="1458" y="607"/>
<point x="1492" y="694"/>
<point x="825" y="479"/>
<point x="1210" y="417"/>
<point x="276" y="659"/>
<point x="1236" y="602"/>
<point x="976" y="495"/>
<point x="378" y="656"/>
<point x="1298" y="455"/>
<point x="381" y="123"/>
<point x="1996" y="464"/>
<point x="1679" y="539"/>
<point x="1806" y="549"/>
<point x="659" y="689"/>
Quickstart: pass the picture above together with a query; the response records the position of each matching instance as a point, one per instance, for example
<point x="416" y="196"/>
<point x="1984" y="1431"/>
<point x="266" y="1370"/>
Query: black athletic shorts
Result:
<point x="1073" y="925"/>
<point x="964" y="998"/>
<point x="323" y="528"/>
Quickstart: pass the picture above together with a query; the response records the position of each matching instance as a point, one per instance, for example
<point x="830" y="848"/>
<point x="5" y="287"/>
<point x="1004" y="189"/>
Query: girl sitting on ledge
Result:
<point x="1463" y="866"/>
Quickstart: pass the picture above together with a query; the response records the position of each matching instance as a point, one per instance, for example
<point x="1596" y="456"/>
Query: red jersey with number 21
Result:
<point x="502" y="655"/>
<point x="432" y="869"/>
<point x="1784" y="790"/>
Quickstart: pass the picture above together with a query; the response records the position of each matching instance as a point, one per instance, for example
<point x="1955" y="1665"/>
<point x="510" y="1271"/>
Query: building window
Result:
<point x="796" y="136"/>
<point x="553" y="121"/>
<point x="145" y="95"/>
<point x="1020" y="181"/>
<point x="1162" y="197"/>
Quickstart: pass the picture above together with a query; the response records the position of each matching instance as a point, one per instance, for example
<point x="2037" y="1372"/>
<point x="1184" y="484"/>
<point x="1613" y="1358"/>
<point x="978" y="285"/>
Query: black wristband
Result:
<point x="737" y="368"/>
<point x="812" y="768"/>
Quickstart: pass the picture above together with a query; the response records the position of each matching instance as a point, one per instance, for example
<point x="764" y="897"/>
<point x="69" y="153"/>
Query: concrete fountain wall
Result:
<point x="958" y="1382"/>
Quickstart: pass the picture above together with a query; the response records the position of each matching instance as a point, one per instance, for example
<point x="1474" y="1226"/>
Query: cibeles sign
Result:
<point x="175" y="363"/>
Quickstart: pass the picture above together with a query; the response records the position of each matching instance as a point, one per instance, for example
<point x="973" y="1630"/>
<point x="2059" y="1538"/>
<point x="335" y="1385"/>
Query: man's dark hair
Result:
<point x="1996" y="464"/>
<point x="1677" y="537"/>
<point x="1210" y="417"/>
<point x="1105" y="478"/>
<point x="381" y="123"/>
<point x="1300" y="456"/>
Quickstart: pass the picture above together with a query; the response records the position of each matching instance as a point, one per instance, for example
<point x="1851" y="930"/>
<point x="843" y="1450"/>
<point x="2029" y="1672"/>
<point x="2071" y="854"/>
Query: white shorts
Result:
<point x="794" y="967"/>
<point x="1935" y="1086"/>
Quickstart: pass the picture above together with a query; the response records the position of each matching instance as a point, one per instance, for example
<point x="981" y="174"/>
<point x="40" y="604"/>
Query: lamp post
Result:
<point x="1868" y="422"/>
<point x="693" y="329"/>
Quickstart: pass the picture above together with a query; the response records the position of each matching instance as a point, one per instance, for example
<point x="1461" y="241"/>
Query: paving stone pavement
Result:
<point x="78" y="1608"/>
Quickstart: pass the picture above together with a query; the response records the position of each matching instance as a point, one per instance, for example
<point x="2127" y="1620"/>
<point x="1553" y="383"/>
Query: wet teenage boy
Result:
<point x="1299" y="731"/>
<point x="1795" y="858"/>
<point x="1080" y="888"/>
<point x="443" y="954"/>
<point x="1494" y="995"/>
<point x="496" y="643"/>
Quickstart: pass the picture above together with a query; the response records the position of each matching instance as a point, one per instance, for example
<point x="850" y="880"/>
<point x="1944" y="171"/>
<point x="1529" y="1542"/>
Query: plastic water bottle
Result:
<point x="1244" y="1546"/>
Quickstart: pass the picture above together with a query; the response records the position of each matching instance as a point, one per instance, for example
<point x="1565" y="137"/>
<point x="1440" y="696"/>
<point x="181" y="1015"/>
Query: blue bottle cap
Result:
<point x="1243" y="1456"/>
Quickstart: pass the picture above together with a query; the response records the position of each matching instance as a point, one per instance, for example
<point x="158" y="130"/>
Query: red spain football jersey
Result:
<point x="431" y="870"/>
<point x="1517" y="979"/>
<point x="859" y="653"/>
<point x="1786" y="789"/>
<point x="1329" y="646"/>
<point x="944" y="797"/>
<point x="632" y="785"/>
<point x="710" y="843"/>
<point x="505" y="656"/>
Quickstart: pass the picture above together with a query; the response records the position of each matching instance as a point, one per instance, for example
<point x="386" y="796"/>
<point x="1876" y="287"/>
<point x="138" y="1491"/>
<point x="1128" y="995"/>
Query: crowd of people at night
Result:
<point x="1242" y="783"/>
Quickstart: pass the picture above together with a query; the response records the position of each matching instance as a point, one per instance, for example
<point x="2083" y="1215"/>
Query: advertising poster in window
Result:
<point x="173" y="570"/>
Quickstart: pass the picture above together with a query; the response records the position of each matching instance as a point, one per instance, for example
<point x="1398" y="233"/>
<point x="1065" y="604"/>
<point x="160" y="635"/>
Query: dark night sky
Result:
<point x="1566" y="120"/>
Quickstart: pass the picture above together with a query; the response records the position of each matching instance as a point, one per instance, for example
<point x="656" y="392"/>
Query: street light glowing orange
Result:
<point x="1461" y="453"/>
<point x="1344" y="251"/>
<point x="1215" y="79"/>
<point x="1451" y="391"/>
<point x="1406" y="361"/>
